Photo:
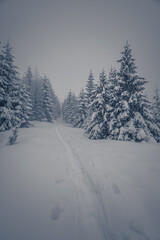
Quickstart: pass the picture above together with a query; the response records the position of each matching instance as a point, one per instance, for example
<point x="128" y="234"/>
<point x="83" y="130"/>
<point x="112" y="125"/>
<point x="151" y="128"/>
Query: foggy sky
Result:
<point x="64" y="39"/>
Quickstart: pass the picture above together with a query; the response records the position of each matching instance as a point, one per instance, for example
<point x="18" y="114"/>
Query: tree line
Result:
<point x="30" y="98"/>
<point x="116" y="107"/>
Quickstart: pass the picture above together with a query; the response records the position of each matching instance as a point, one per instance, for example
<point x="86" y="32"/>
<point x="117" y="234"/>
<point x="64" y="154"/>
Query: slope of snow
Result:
<point x="57" y="184"/>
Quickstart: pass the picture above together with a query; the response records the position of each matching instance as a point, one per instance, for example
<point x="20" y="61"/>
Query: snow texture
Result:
<point x="57" y="184"/>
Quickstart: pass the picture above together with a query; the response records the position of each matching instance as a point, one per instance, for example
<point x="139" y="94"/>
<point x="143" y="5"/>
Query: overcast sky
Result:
<point x="64" y="39"/>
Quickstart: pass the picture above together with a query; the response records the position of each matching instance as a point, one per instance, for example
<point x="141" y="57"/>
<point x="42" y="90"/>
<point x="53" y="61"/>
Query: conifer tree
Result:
<point x="37" y="100"/>
<point x="81" y="110"/>
<point x="44" y="103"/>
<point x="97" y="126"/>
<point x="132" y="116"/>
<point x="10" y="112"/>
<point x="89" y="96"/>
<point x="2" y="80"/>
<point x="112" y="93"/>
<point x="28" y="81"/>
<point x="89" y="89"/>
<point x="26" y="105"/>
<point x="48" y="107"/>
<point x="69" y="108"/>
<point x="56" y="109"/>
<point x="28" y="78"/>
<point x="3" y="99"/>
<point x="156" y="106"/>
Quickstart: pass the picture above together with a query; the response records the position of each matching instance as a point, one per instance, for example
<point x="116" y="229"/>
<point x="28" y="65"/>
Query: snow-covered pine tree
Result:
<point x="64" y="115"/>
<point x="156" y="106"/>
<point x="26" y="104"/>
<point x="5" y="105"/>
<point x="132" y="115"/>
<point x="37" y="97"/>
<point x="29" y="77"/>
<point x="11" y="109"/>
<point x="112" y="92"/>
<point x="97" y="126"/>
<point x="28" y="81"/>
<point x="48" y="106"/>
<point x="89" y="96"/>
<point x="69" y="108"/>
<point x="20" y="111"/>
<point x="66" y="110"/>
<point x="44" y="103"/>
<point x="89" y="89"/>
<point x="81" y="110"/>
<point x="56" y="108"/>
<point x="4" y="111"/>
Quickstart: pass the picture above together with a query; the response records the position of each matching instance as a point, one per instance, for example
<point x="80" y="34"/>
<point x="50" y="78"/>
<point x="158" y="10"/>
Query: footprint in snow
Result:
<point x="137" y="227"/>
<point x="59" y="180"/>
<point x="105" y="175"/>
<point x="126" y="237"/>
<point x="55" y="213"/>
<point x="115" y="188"/>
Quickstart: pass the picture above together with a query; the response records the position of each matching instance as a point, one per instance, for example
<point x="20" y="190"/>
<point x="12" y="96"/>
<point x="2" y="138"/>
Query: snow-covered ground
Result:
<point x="56" y="184"/>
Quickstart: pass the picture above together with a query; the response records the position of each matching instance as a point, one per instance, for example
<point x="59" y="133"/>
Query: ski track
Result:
<point x="81" y="177"/>
<point x="71" y="173"/>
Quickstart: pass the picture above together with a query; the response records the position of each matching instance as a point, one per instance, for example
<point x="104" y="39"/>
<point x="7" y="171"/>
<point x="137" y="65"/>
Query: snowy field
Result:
<point x="56" y="184"/>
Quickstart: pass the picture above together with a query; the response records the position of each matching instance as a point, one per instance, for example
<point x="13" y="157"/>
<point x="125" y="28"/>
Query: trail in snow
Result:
<point x="84" y="183"/>
<point x="72" y="171"/>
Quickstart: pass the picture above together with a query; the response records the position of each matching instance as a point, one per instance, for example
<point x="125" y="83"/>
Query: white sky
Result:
<point x="64" y="39"/>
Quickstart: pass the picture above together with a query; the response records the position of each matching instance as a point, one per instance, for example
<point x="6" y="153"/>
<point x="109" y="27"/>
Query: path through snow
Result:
<point x="89" y="195"/>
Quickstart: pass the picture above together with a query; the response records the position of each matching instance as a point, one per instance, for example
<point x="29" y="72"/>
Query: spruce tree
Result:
<point x="69" y="108"/>
<point x="156" y="106"/>
<point x="112" y="92"/>
<point x="11" y="109"/>
<point x="89" y="89"/>
<point x="97" y="126"/>
<point x="89" y="96"/>
<point x="26" y="104"/>
<point x="4" y="111"/>
<point x="132" y="116"/>
<point x="2" y="80"/>
<point x="48" y="107"/>
<point x="28" y="81"/>
<point x="56" y="108"/>
<point x="81" y="110"/>
<point x="37" y="97"/>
